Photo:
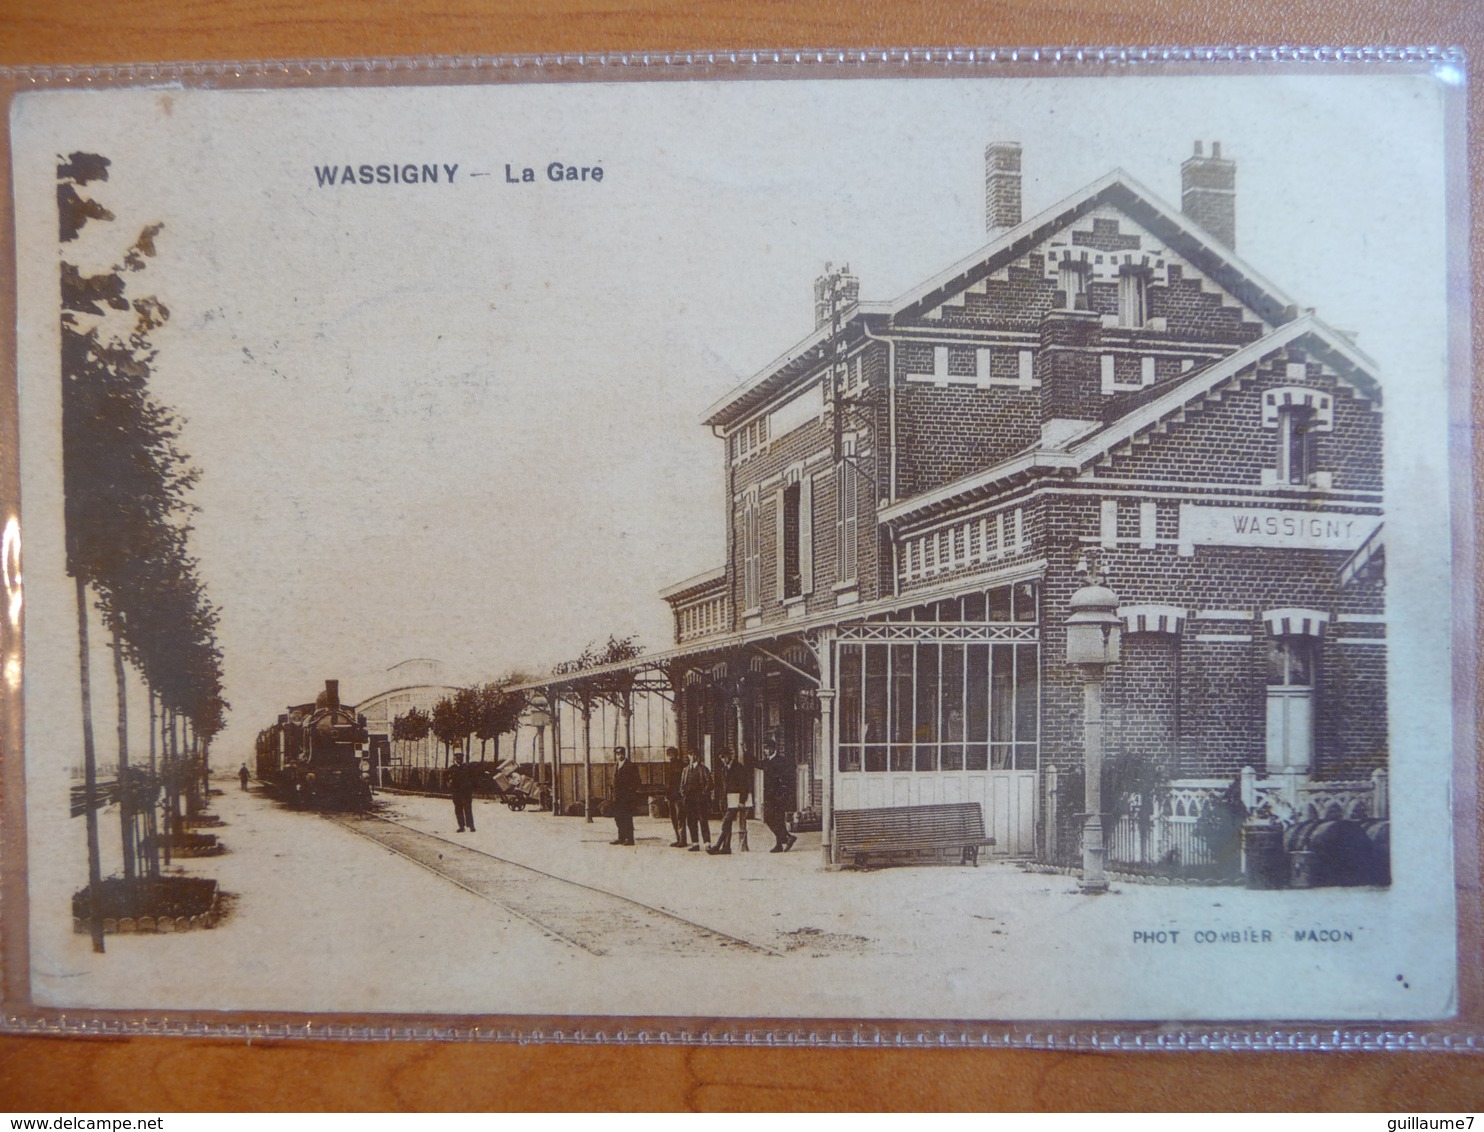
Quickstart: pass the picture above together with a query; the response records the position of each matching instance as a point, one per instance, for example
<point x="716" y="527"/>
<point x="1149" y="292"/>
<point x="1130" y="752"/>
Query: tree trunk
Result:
<point x="177" y="759"/>
<point x="89" y="769"/>
<point x="163" y="825"/>
<point x="126" y="810"/>
<point x="188" y="740"/>
<point x="152" y="860"/>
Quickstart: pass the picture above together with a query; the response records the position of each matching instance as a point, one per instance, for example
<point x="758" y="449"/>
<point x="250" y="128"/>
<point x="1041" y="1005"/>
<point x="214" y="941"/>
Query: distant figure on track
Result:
<point x="625" y="796"/>
<point x="695" y="792"/>
<point x="243" y="776"/>
<point x="461" y="785"/>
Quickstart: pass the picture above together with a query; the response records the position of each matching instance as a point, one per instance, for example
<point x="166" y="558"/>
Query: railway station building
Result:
<point x="1105" y="392"/>
<point x="415" y="683"/>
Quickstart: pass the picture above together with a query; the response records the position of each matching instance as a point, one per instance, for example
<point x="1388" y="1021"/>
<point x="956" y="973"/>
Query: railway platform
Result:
<point x="395" y="912"/>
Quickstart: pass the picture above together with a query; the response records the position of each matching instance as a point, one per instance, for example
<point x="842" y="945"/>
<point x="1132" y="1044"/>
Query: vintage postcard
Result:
<point x="974" y="546"/>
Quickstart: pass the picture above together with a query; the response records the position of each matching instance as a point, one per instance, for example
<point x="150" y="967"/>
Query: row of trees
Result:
<point x="126" y="484"/>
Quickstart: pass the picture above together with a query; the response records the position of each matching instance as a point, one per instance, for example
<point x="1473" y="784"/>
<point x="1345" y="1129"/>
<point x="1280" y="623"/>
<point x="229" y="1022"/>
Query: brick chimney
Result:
<point x="834" y="287"/>
<point x="1001" y="186"/>
<point x="1208" y="193"/>
<point x="1069" y="368"/>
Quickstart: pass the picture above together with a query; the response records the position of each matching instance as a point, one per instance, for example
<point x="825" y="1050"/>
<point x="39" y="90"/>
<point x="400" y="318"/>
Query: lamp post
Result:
<point x="1093" y="643"/>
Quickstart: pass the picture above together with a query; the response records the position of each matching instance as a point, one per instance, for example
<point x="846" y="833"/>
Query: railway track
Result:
<point x="590" y="919"/>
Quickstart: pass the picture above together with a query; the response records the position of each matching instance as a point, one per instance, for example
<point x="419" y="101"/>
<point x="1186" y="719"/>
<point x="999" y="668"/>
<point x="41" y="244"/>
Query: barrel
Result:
<point x="1378" y="830"/>
<point x="1262" y="849"/>
<point x="1337" y="852"/>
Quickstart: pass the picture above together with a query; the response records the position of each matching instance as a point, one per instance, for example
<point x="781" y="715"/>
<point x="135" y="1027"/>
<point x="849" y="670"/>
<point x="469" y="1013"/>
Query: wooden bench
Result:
<point x="899" y="830"/>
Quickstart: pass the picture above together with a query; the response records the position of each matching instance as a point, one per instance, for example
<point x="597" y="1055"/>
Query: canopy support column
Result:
<point x="823" y="643"/>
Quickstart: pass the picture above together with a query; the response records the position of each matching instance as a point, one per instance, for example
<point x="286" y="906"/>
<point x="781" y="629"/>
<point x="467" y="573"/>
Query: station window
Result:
<point x="751" y="553"/>
<point x="950" y="704"/>
<point x="796" y="536"/>
<point x="1133" y="299"/>
<point x="1072" y="282"/>
<point x="1290" y="703"/>
<point x="939" y="706"/>
<point x="792" y="582"/>
<point x="749" y="439"/>
<point x="1291" y="662"/>
<point x="1295" y="444"/>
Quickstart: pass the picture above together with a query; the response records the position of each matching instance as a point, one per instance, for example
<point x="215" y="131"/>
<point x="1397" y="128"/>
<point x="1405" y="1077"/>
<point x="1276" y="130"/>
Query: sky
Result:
<point x="462" y="420"/>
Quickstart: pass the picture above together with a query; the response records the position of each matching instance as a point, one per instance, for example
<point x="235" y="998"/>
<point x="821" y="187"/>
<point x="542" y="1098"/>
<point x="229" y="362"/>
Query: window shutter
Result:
<point x="1108" y="523"/>
<point x="806" y="534"/>
<point x="840" y="571"/>
<point x="852" y="524"/>
<point x="778" y="555"/>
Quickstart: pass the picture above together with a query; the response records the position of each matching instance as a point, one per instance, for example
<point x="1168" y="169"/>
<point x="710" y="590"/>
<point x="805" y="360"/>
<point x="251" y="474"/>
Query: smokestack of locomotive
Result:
<point x="1208" y="190"/>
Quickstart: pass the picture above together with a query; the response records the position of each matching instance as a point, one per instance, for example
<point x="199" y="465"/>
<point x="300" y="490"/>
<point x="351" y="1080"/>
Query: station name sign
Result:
<point x="1273" y="527"/>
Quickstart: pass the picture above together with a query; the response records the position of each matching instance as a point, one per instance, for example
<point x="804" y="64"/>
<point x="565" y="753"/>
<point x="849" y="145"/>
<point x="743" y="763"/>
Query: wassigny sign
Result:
<point x="1272" y="526"/>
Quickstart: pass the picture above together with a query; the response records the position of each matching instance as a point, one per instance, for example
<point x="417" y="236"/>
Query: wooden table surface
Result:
<point x="62" y="1075"/>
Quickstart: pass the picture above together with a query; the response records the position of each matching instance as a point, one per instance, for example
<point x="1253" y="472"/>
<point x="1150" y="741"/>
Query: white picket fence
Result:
<point x="1169" y="837"/>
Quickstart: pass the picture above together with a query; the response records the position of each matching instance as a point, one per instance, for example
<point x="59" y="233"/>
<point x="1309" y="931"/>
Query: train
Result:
<point x="315" y="757"/>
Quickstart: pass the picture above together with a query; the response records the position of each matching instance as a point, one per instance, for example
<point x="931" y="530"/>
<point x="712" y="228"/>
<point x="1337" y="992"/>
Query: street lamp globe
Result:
<point x="1094" y="629"/>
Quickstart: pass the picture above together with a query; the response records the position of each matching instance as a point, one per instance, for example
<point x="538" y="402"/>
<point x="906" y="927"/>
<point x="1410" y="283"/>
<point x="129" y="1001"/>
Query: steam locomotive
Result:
<point x="312" y="757"/>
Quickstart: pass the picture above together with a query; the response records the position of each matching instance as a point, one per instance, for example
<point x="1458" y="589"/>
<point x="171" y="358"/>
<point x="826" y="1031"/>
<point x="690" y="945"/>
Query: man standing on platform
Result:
<point x="625" y="796"/>
<point x="778" y="785"/>
<point x="733" y="785"/>
<point x="695" y="792"/>
<point x="461" y="786"/>
<point x="674" y="768"/>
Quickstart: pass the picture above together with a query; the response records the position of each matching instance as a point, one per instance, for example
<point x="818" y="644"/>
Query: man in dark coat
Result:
<point x="778" y="789"/>
<point x="695" y="792"/>
<point x="674" y="768"/>
<point x="461" y="777"/>
<point x="733" y="785"/>
<point x="625" y="796"/>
